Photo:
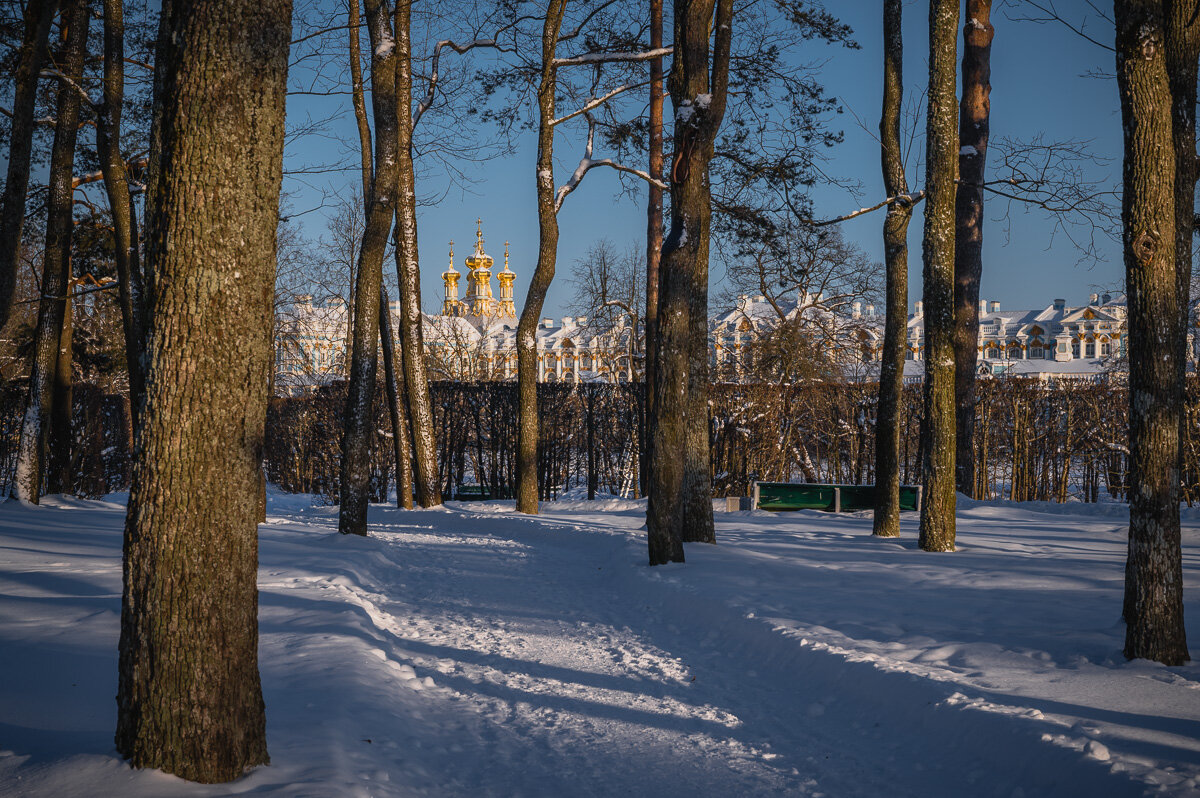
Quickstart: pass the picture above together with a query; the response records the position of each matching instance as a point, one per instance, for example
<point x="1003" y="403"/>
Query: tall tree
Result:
<point x="973" y="130"/>
<point x="359" y="417"/>
<point x="941" y="166"/>
<point x="38" y="18"/>
<point x="45" y="380"/>
<point x="543" y="273"/>
<point x="1150" y="204"/>
<point x="895" y="247"/>
<point x="408" y="271"/>
<point x="189" y="697"/>
<point x="131" y="286"/>
<point x="680" y="504"/>
<point x="654" y="221"/>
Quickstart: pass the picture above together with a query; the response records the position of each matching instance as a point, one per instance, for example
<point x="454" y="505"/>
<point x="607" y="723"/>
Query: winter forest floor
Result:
<point x="467" y="651"/>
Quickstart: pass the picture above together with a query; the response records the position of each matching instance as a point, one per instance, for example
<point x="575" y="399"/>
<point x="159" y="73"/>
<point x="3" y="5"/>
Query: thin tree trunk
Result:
<point x="408" y="271"/>
<point x="1153" y="605"/>
<point x="938" y="503"/>
<point x="895" y="246"/>
<point x="973" y="131"/>
<point x="680" y="504"/>
<point x="116" y="185"/>
<point x="359" y="416"/>
<point x="56" y="269"/>
<point x="654" y="230"/>
<point x="189" y="697"/>
<point x="401" y="443"/>
<point x="61" y="438"/>
<point x="38" y="18"/>
<point x="539" y="283"/>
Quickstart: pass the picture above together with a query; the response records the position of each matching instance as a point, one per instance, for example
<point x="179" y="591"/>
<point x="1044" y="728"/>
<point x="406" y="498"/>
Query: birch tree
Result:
<point x="189" y="697"/>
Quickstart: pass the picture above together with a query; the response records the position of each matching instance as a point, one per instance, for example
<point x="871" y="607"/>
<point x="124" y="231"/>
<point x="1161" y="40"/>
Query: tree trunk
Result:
<point x="938" y="503"/>
<point x="408" y="271"/>
<point x="116" y="185"/>
<point x="539" y="283"/>
<point x="38" y="18"/>
<point x="654" y="229"/>
<point x="61" y="437"/>
<point x="56" y="261"/>
<point x="189" y="697"/>
<point x="1153" y="606"/>
<point x="895" y="246"/>
<point x="680" y="504"/>
<point x="359" y="415"/>
<point x="401" y="443"/>
<point x="973" y="133"/>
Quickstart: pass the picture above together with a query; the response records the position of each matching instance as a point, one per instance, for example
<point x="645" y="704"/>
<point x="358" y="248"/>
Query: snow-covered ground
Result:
<point x="467" y="651"/>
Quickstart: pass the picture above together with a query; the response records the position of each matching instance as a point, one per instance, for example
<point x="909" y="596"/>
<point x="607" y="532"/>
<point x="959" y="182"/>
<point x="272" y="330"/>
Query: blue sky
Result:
<point x="1038" y="88"/>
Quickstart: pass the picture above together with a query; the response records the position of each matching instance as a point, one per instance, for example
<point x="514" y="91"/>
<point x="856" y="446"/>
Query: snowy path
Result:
<point x="470" y="652"/>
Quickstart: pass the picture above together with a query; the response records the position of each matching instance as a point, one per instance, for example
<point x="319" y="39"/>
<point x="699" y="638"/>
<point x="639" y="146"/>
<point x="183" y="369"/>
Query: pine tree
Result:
<point x="189" y="696"/>
<point x="973" y="131"/>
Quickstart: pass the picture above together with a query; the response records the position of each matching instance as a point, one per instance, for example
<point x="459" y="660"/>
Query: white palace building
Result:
<point x="474" y="337"/>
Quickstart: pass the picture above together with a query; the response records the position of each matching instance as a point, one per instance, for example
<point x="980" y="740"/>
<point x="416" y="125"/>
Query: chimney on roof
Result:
<point x="995" y="306"/>
<point x="856" y="309"/>
<point x="920" y="308"/>
<point x="1094" y="299"/>
<point x="982" y="306"/>
<point x="568" y="322"/>
<point x="1060" y="304"/>
<point x="870" y="310"/>
<point x="548" y="324"/>
<point x="1107" y="298"/>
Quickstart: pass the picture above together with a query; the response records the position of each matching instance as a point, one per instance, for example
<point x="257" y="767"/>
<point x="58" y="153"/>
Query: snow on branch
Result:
<point x="608" y="58"/>
<point x="588" y="163"/>
<point x="904" y="199"/>
<point x="598" y="101"/>
<point x="55" y="73"/>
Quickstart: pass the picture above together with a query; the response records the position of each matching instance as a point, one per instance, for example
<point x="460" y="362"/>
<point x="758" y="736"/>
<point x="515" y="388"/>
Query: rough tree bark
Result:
<point x="408" y="270"/>
<point x="130" y="289"/>
<point x="973" y="131"/>
<point x="56" y="268"/>
<point x="38" y="17"/>
<point x="895" y="246"/>
<point x="654" y="227"/>
<point x="61" y="437"/>
<point x="1153" y="606"/>
<point x="189" y="696"/>
<point x="543" y="273"/>
<point x="680" y="504"/>
<point x="359" y="416"/>
<point x="938" y="503"/>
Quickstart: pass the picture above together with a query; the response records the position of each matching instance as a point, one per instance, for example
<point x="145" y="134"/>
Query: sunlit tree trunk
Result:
<point x="189" y="698"/>
<point x="941" y="166"/>
<point x="895" y="246"/>
<point x="408" y="271"/>
<point x="359" y="415"/>
<point x="56" y="261"/>
<point x="973" y="131"/>
<point x="680" y="504"/>
<point x="1153" y="606"/>
<point x="543" y="273"/>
